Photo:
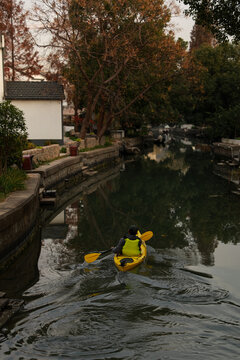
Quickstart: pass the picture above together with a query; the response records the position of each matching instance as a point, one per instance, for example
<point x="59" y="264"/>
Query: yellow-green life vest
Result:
<point x="131" y="248"/>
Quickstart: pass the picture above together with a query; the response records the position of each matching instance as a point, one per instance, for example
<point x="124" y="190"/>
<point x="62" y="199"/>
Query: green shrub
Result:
<point x="63" y="150"/>
<point x="11" y="181"/>
<point x="30" y="145"/>
<point x="13" y="135"/>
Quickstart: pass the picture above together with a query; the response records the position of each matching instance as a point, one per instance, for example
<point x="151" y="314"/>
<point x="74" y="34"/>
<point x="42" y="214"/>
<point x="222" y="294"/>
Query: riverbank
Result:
<point x="19" y="212"/>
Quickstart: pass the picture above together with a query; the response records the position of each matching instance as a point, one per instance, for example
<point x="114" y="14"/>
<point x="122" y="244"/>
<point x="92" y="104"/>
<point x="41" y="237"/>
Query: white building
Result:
<point x="41" y="103"/>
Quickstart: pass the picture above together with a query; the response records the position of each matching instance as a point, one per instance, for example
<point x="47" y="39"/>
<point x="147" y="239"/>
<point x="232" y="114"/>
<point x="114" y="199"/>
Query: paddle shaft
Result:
<point x="94" y="256"/>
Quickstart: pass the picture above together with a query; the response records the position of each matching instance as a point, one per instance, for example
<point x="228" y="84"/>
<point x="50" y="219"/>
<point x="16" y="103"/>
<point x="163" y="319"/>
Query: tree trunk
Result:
<point x="91" y="105"/>
<point x="105" y="126"/>
<point x="100" y="120"/>
<point x="76" y="117"/>
<point x="85" y="121"/>
<point x="84" y="126"/>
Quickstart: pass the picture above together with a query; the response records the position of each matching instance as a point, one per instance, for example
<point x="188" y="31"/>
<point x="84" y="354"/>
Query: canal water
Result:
<point x="182" y="303"/>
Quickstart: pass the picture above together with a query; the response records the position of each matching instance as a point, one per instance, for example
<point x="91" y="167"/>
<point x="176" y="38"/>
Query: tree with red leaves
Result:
<point x="111" y="51"/>
<point x="21" y="60"/>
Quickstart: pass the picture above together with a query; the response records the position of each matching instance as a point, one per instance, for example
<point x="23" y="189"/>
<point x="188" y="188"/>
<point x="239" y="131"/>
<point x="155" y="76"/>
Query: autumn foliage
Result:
<point x="200" y="35"/>
<point x="112" y="52"/>
<point x="20" y="57"/>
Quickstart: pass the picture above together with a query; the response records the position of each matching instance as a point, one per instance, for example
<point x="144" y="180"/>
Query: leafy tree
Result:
<point x="177" y="103"/>
<point x="113" y="52"/>
<point x="222" y="17"/>
<point x="13" y="134"/>
<point x="20" y="57"/>
<point x="201" y="35"/>
<point x="219" y="108"/>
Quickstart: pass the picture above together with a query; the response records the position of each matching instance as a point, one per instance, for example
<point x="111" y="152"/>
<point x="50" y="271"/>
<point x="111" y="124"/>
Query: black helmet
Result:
<point x="133" y="230"/>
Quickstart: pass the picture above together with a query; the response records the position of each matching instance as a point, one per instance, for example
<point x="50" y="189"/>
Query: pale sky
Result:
<point x="183" y="25"/>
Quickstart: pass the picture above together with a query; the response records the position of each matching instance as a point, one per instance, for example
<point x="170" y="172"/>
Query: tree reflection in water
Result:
<point x="172" y="192"/>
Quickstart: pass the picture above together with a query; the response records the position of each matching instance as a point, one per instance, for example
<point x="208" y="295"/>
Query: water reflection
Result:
<point x="23" y="271"/>
<point x="159" y="153"/>
<point x="91" y="311"/>
<point x="171" y="191"/>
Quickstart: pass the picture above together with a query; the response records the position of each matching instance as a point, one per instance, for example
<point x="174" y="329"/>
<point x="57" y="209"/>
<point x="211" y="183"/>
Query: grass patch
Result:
<point x="12" y="180"/>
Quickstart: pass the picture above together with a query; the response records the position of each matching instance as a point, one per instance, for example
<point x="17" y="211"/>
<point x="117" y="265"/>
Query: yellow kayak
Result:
<point x="125" y="263"/>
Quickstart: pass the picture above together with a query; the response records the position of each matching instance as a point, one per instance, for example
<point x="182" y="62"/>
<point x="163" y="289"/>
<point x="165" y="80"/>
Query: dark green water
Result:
<point x="76" y="310"/>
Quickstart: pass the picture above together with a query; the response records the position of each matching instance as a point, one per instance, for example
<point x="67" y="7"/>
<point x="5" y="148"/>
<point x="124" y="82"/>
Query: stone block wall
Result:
<point x="63" y="168"/>
<point x="98" y="156"/>
<point x="59" y="170"/>
<point x="18" y="214"/>
<point x="90" y="142"/>
<point x="46" y="153"/>
<point x="81" y="145"/>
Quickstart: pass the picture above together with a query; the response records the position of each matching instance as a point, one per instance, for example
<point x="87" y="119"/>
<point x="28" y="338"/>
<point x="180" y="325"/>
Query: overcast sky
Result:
<point x="183" y="25"/>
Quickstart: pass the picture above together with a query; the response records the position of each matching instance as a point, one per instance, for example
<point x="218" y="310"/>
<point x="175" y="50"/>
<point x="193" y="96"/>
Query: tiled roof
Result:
<point x="33" y="90"/>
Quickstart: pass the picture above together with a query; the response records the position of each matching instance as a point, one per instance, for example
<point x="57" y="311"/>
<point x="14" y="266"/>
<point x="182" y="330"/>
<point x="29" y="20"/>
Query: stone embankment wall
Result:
<point x="62" y="169"/>
<point x="18" y="213"/>
<point x="45" y="153"/>
<point x="91" y="158"/>
<point x="89" y="142"/>
<point x="50" y="152"/>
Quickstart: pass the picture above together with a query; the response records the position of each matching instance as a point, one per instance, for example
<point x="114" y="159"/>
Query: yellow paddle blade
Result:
<point x="147" y="235"/>
<point x="91" y="257"/>
<point x="94" y="256"/>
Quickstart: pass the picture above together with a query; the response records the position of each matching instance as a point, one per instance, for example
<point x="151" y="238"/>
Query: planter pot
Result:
<point x="73" y="150"/>
<point x="27" y="162"/>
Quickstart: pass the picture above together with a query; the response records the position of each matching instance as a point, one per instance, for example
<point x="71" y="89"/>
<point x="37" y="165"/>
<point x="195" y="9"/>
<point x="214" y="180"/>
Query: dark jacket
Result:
<point x="118" y="249"/>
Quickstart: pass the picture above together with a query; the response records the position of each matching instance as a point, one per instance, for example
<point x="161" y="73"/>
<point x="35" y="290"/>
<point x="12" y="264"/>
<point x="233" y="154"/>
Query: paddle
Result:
<point x="89" y="258"/>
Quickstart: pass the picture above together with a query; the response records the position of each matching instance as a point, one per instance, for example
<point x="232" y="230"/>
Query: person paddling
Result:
<point x="130" y="244"/>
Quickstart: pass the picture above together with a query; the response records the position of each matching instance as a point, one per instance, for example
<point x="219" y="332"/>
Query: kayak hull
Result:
<point x="126" y="263"/>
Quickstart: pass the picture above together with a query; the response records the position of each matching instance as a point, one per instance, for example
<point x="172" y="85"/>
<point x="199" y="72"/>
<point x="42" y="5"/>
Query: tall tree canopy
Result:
<point x="222" y="17"/>
<point x="219" y="107"/>
<point x="112" y="51"/>
<point x="20" y="58"/>
<point x="201" y="35"/>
